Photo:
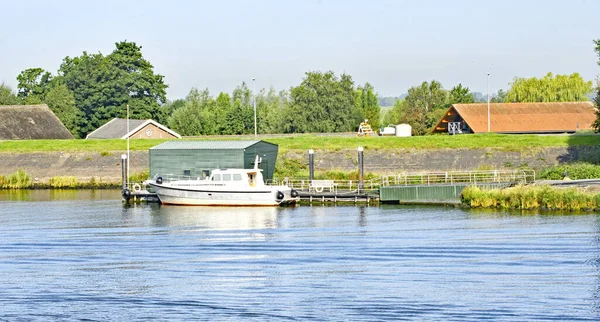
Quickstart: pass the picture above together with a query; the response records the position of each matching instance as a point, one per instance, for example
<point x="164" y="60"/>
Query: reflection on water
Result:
<point x="234" y="218"/>
<point x="58" y="195"/>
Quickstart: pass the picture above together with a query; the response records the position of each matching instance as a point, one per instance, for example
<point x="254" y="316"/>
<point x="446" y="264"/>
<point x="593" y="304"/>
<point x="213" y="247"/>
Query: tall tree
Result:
<point x="323" y="102"/>
<point x="269" y="106"/>
<point x="190" y="119"/>
<point x="33" y="85"/>
<point x="550" y="88"/>
<point x="422" y="106"/>
<point x="104" y="85"/>
<point x="459" y="94"/>
<point x="7" y="96"/>
<point x="596" y="124"/>
<point x="368" y="105"/>
<point x="500" y="97"/>
<point x="62" y="102"/>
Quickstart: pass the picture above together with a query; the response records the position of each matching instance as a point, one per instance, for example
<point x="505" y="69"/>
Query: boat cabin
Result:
<point x="253" y="177"/>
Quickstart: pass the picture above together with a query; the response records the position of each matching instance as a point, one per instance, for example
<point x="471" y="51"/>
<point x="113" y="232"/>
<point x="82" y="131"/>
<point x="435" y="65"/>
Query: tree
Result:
<point x="321" y="103"/>
<point x="596" y="124"/>
<point x="269" y="106"/>
<point x="459" y="94"/>
<point x="33" y="85"/>
<point x="422" y="106"/>
<point x="368" y="105"/>
<point x="190" y="119"/>
<point x="7" y="96"/>
<point x="500" y="97"/>
<point x="562" y="88"/>
<point x="104" y="85"/>
<point x="62" y="102"/>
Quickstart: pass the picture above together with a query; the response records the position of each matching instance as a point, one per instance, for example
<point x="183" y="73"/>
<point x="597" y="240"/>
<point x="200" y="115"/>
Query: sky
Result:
<point x="391" y="44"/>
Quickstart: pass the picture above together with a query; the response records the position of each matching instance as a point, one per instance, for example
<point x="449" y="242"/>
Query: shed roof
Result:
<point x="207" y="145"/>
<point x="526" y="117"/>
<point x="31" y="122"/>
<point x="117" y="129"/>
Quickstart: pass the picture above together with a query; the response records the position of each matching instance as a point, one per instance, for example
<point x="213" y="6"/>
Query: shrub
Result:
<point x="576" y="171"/>
<point x="64" y="182"/>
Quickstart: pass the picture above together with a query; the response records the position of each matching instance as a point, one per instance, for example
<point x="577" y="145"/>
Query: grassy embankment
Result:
<point x="303" y="142"/>
<point x="299" y="143"/>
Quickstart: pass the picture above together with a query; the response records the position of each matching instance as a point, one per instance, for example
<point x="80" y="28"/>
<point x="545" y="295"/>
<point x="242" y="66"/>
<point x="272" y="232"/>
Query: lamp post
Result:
<point x="254" y="101"/>
<point x="128" y="156"/>
<point x="488" y="90"/>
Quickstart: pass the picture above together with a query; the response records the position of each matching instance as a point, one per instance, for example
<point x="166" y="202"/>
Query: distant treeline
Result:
<point x="91" y="89"/>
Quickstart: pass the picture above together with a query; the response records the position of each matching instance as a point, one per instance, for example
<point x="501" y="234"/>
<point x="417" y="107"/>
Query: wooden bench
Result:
<point x="319" y="185"/>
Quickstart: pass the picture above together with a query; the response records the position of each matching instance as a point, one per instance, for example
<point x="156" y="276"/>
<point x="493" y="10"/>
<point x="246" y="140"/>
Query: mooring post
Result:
<point x="123" y="172"/>
<point x="360" y="168"/>
<point x="311" y="165"/>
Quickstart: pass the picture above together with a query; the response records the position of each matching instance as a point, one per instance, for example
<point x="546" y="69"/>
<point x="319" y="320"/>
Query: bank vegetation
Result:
<point x="531" y="197"/>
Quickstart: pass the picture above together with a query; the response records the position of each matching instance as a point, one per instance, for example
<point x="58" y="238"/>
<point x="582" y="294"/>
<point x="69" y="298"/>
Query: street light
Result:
<point x="254" y="100"/>
<point x="488" y="89"/>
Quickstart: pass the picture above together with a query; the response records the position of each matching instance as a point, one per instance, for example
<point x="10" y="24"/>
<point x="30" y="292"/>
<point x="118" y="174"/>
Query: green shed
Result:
<point x="199" y="158"/>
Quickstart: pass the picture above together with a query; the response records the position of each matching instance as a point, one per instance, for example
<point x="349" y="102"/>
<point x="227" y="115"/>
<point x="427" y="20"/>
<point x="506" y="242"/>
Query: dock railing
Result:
<point x="411" y="179"/>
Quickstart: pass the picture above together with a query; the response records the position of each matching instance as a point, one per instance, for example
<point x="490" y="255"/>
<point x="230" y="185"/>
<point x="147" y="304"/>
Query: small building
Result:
<point x="138" y="129"/>
<point x="403" y="130"/>
<point x="198" y="158"/>
<point x="556" y="117"/>
<point x="31" y="122"/>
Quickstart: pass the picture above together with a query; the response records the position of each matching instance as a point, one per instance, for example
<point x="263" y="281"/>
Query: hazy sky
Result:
<point x="391" y="44"/>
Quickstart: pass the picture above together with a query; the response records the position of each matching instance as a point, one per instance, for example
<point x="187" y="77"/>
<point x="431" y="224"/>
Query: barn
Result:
<point x="138" y="129"/>
<point x="31" y="122"/>
<point x="198" y="158"/>
<point x="555" y="117"/>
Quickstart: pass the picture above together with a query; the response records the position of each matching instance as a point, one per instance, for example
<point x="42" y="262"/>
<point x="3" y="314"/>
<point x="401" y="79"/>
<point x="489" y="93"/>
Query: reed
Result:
<point x="139" y="176"/>
<point x="531" y="197"/>
<point x="64" y="182"/>
<point x="18" y="180"/>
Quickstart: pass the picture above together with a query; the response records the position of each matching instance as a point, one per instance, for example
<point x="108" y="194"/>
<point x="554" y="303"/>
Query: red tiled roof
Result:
<point x="527" y="117"/>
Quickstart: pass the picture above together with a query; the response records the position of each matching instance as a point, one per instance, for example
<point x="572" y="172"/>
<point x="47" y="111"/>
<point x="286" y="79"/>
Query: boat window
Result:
<point x="205" y="174"/>
<point x="216" y="177"/>
<point x="227" y="177"/>
<point x="237" y="177"/>
<point x="187" y="173"/>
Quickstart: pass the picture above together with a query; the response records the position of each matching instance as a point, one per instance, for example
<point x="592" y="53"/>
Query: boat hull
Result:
<point x="201" y="196"/>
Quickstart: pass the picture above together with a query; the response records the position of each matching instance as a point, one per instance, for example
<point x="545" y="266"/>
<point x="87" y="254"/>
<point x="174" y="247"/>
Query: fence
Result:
<point x="414" y="179"/>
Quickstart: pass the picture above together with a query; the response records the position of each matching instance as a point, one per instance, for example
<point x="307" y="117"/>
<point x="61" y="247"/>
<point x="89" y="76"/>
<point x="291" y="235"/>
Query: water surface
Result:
<point x="81" y="255"/>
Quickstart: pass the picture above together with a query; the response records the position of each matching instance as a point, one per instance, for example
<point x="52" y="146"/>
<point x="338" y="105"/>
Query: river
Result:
<point x="82" y="255"/>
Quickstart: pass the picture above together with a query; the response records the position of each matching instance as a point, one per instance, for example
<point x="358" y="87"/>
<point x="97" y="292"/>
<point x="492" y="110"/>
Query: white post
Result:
<point x="254" y="100"/>
<point x="127" y="179"/>
<point x="488" y="101"/>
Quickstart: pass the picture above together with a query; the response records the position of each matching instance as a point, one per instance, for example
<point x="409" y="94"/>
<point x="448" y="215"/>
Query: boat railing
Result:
<point x="176" y="177"/>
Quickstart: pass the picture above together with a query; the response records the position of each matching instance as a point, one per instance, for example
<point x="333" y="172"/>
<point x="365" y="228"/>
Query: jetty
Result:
<point x="404" y="188"/>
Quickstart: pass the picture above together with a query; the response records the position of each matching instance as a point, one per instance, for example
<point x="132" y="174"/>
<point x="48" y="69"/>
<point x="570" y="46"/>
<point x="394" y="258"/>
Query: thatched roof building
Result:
<point x="31" y="122"/>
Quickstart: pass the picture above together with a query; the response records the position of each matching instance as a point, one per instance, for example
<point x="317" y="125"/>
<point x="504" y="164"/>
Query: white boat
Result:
<point x="224" y="187"/>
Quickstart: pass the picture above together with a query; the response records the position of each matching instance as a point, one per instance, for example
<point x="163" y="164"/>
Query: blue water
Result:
<point x="83" y="256"/>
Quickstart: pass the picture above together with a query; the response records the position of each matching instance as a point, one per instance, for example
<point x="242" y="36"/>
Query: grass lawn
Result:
<point x="302" y="142"/>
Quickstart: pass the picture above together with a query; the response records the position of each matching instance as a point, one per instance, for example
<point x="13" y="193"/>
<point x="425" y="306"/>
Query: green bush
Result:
<point x="139" y="176"/>
<point x="530" y="197"/>
<point x="576" y="171"/>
